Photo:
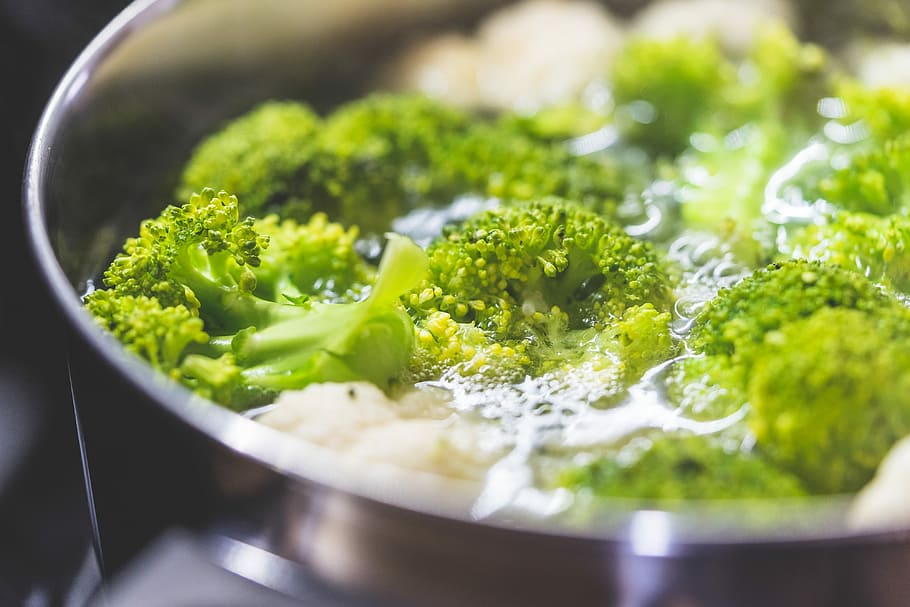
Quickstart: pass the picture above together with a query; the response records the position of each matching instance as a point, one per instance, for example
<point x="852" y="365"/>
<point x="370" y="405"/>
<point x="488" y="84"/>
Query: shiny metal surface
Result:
<point x="106" y="154"/>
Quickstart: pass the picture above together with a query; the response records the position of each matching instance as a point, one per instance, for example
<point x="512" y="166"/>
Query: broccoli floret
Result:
<point x="830" y="395"/>
<point x="708" y="387"/>
<point x="817" y="354"/>
<point x="673" y="468"/>
<point x="204" y="250"/>
<point x="740" y="317"/>
<point x="377" y="158"/>
<point x="160" y="335"/>
<point x="444" y="345"/>
<point x="876" y="247"/>
<point x="868" y="152"/>
<point x="261" y="156"/>
<point x="875" y="181"/>
<point x="315" y="260"/>
<point x="666" y="89"/>
<point x="724" y="179"/>
<point x="366" y="164"/>
<point x="558" y="123"/>
<point x="523" y="264"/>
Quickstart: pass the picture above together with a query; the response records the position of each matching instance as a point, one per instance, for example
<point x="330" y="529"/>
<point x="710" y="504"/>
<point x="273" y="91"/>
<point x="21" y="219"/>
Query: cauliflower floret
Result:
<point x="415" y="432"/>
<point x="443" y="67"/>
<point x="884" y="501"/>
<point x="544" y="52"/>
<point x="443" y="448"/>
<point x="882" y="65"/>
<point x="733" y="22"/>
<point x="334" y="415"/>
<point x="527" y="56"/>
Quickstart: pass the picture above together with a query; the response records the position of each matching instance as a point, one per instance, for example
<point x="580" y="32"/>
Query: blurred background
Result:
<point x="45" y="534"/>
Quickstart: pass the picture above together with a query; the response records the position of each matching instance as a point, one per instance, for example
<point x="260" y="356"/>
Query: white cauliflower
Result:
<point x="885" y="501"/>
<point x="356" y="418"/>
<point x="733" y="22"/>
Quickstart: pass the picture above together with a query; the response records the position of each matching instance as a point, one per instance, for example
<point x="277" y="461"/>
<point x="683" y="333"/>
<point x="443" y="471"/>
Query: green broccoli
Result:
<point x="724" y="179"/>
<point x="161" y="335"/>
<point x="666" y="90"/>
<point x="444" y="345"/>
<point x="876" y="247"/>
<point x="678" y="467"/>
<point x="317" y="259"/>
<point x="740" y="317"/>
<point x="868" y="152"/>
<point x="262" y="156"/>
<point x="203" y="253"/>
<point x="377" y="158"/>
<point x="366" y="163"/>
<point x="797" y="344"/>
<point x="830" y="395"/>
<point x="520" y="265"/>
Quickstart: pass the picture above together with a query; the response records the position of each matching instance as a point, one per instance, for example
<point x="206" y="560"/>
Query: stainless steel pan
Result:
<point x="107" y="153"/>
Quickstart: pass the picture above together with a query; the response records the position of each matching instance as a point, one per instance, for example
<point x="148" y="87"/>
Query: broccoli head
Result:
<point x="830" y="395"/>
<point x="523" y="264"/>
<point x="876" y="247"/>
<point x="740" y="317"/>
<point x="315" y="260"/>
<point x="679" y="467"/>
<point x="666" y="89"/>
<point x="205" y="252"/>
<point x="380" y="157"/>
<point x="261" y="156"/>
<point x="161" y="335"/>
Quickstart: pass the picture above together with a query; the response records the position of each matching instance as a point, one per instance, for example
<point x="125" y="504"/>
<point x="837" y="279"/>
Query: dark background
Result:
<point x="45" y="537"/>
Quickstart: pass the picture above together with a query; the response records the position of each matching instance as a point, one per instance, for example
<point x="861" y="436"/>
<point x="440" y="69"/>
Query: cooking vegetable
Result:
<point x="667" y="90"/>
<point x="830" y="395"/>
<point x="876" y="247"/>
<point x="513" y="268"/>
<point x="202" y="259"/>
<point x="678" y="468"/>
<point x="820" y="354"/>
<point x="377" y="158"/>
